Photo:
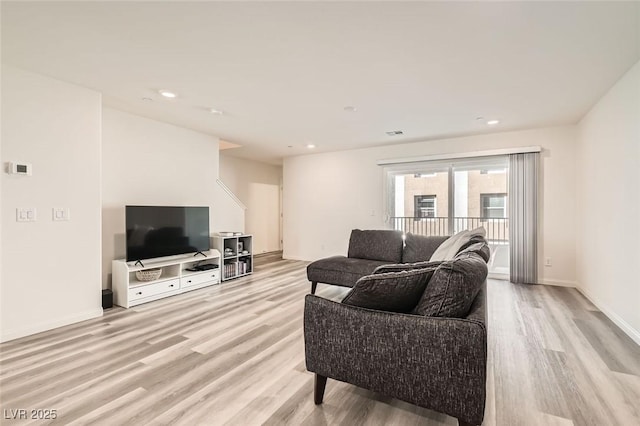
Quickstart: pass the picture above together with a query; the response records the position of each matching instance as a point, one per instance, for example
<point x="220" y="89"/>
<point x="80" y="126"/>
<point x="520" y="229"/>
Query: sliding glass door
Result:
<point x="442" y="198"/>
<point x="481" y="194"/>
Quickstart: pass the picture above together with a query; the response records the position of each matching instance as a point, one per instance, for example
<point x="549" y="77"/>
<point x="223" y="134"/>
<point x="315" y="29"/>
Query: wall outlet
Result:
<point x="60" y="214"/>
<point x="547" y="261"/>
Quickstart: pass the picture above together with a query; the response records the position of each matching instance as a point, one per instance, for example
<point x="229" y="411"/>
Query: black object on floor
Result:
<point x="107" y="299"/>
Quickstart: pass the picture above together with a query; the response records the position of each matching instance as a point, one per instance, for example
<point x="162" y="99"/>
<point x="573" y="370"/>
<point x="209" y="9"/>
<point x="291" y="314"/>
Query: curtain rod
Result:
<point x="488" y="153"/>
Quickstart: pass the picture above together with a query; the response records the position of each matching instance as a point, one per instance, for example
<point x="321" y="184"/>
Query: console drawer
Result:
<point x="197" y="279"/>
<point x="149" y="290"/>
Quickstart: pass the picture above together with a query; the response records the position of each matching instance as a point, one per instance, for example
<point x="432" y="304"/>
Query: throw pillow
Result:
<point x="450" y="247"/>
<point x="418" y="248"/>
<point x="382" y="245"/>
<point x="393" y="291"/>
<point x="479" y="248"/>
<point x="398" y="267"/>
<point x="453" y="287"/>
<point x="473" y="240"/>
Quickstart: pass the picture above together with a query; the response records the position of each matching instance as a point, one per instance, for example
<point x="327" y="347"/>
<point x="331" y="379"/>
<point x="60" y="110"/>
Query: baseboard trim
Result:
<point x="50" y="325"/>
<point x="287" y="257"/>
<point x="267" y="253"/>
<point x="559" y="283"/>
<point x="617" y="320"/>
<point x="495" y="276"/>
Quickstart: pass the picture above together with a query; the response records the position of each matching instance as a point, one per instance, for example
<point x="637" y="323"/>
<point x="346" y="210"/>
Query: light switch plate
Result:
<point x="26" y="214"/>
<point x="19" y="168"/>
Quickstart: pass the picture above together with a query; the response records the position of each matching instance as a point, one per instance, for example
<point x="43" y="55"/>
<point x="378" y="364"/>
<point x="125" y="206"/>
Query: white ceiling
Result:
<point x="283" y="72"/>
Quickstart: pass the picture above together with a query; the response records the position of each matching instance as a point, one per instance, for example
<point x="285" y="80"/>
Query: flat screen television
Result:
<point x="157" y="231"/>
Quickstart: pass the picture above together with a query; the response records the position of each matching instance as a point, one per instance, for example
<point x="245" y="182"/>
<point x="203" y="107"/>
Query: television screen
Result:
<point x="155" y="231"/>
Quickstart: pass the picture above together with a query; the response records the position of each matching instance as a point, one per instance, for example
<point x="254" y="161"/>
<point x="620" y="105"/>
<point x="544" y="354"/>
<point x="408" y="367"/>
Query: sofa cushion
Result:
<point x="397" y="267"/>
<point x="419" y="248"/>
<point x="376" y="245"/>
<point x="393" y="291"/>
<point x="340" y="270"/>
<point x="453" y="287"/>
<point x="448" y="249"/>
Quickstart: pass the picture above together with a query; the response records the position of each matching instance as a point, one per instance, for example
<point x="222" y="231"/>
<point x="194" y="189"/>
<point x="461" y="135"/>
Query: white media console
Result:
<point x="175" y="278"/>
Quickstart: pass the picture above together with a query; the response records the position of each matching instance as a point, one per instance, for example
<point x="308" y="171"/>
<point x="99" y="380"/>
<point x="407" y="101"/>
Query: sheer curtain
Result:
<point x="523" y="216"/>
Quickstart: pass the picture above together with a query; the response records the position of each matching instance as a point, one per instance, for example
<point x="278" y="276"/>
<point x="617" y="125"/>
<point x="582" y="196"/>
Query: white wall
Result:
<point x="327" y="195"/>
<point x="257" y="185"/>
<point x="148" y="162"/>
<point x="51" y="270"/>
<point x="609" y="203"/>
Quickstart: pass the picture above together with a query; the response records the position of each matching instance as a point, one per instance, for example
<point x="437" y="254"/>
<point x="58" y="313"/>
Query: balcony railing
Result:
<point x="497" y="228"/>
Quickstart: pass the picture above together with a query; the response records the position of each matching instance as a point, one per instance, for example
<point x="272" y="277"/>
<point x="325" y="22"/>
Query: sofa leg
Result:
<point x="461" y="423"/>
<point x="318" y="393"/>
<point x="314" y="284"/>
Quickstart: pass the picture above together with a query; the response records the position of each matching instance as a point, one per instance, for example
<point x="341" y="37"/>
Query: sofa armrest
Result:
<point x="437" y="363"/>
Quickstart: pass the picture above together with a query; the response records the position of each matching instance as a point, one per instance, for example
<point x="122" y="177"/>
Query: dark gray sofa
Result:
<point x="370" y="249"/>
<point x="438" y="361"/>
<point x="433" y="362"/>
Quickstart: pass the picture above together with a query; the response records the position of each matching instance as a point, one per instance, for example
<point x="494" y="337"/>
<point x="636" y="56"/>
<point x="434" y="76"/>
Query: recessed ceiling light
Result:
<point x="216" y="111"/>
<point x="493" y="122"/>
<point x="350" y="108"/>
<point x="310" y="146"/>
<point x="147" y="99"/>
<point x="167" y="94"/>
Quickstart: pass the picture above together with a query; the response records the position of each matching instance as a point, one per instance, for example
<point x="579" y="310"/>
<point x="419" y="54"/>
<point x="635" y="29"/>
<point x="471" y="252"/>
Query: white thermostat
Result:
<point x="15" y="168"/>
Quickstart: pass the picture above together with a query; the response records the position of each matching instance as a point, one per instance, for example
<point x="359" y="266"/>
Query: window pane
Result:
<point x="496" y="201"/>
<point x="493" y="205"/>
<point x="495" y="213"/>
<point x="424" y="206"/>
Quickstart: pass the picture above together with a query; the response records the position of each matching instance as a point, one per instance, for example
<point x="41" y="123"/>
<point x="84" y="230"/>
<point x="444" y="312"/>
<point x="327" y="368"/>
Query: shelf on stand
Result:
<point x="235" y="263"/>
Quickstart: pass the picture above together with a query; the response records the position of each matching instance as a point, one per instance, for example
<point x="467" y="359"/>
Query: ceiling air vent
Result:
<point x="394" y="133"/>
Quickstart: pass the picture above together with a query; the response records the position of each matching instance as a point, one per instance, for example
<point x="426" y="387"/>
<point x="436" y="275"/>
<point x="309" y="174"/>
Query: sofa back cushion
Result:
<point x="392" y="291"/>
<point x="453" y="287"/>
<point x="419" y="248"/>
<point x="376" y="245"/>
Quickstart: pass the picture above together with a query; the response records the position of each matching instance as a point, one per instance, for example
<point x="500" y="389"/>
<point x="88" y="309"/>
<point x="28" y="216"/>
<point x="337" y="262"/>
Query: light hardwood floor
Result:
<point x="234" y="354"/>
